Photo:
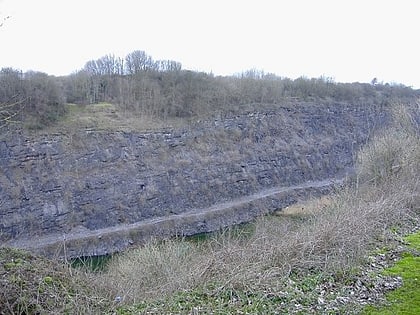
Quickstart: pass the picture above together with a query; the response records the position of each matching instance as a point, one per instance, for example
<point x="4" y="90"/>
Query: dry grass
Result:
<point x="35" y="285"/>
<point x="304" y="208"/>
<point x="332" y="238"/>
<point x="394" y="152"/>
<point x="153" y="270"/>
<point x="108" y="117"/>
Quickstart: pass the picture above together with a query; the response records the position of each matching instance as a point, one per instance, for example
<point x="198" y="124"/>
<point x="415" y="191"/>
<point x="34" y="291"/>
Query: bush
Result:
<point x="393" y="152"/>
<point x="44" y="100"/>
<point x="35" y="285"/>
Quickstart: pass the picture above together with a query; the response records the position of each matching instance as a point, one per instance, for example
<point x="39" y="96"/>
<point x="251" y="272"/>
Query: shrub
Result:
<point x="35" y="285"/>
<point x="395" y="151"/>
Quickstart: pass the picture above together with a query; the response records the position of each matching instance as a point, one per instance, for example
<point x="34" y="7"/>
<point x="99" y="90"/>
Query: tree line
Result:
<point x="163" y="89"/>
<point x="33" y="97"/>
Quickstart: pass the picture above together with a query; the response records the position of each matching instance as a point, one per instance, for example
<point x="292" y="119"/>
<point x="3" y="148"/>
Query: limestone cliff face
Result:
<point x="94" y="179"/>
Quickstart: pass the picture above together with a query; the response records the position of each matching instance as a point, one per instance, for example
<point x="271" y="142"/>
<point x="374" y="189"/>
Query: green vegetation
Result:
<point x="413" y="241"/>
<point x="94" y="263"/>
<point x="406" y="299"/>
<point x="201" y="302"/>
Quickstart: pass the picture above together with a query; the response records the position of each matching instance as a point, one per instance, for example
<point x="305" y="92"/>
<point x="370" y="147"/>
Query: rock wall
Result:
<point x="94" y="179"/>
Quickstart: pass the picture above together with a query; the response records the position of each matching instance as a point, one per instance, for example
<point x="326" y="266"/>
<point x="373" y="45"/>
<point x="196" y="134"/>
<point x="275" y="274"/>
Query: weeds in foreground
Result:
<point x="35" y="285"/>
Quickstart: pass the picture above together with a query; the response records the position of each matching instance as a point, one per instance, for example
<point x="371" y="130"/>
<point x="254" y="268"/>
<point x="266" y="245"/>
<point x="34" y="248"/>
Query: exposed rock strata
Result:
<point x="94" y="179"/>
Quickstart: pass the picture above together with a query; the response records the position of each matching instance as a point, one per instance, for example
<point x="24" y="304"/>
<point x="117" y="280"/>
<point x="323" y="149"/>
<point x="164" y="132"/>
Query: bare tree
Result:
<point x="4" y="20"/>
<point x="11" y="104"/>
<point x="138" y="61"/>
<point x="11" y="96"/>
<point x="9" y="112"/>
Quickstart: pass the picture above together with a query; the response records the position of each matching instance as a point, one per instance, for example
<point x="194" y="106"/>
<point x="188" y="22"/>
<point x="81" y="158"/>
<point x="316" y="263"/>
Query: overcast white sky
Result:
<point x="348" y="40"/>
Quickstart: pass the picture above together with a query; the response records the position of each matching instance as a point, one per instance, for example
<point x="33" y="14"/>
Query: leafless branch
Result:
<point x="4" y="20"/>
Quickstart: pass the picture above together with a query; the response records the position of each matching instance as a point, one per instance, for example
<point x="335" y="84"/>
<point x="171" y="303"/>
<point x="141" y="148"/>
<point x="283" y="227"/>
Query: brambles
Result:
<point x="35" y="285"/>
<point x="394" y="152"/>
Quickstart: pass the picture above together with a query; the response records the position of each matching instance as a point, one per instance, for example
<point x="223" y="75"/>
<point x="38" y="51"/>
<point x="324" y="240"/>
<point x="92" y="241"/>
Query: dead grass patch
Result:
<point x="108" y="117"/>
<point x="304" y="208"/>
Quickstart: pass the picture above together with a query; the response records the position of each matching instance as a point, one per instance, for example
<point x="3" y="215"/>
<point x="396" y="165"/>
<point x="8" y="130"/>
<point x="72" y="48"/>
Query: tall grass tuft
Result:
<point x="394" y="151"/>
<point x="153" y="270"/>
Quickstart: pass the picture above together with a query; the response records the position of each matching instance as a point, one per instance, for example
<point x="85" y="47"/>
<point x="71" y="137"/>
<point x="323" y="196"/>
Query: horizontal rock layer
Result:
<point x="57" y="184"/>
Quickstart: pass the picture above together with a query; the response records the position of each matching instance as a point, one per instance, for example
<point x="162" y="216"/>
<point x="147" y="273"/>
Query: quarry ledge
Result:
<point x="121" y="237"/>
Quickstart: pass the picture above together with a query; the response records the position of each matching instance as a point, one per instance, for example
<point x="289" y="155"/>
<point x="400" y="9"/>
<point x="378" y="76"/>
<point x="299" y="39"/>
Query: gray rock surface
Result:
<point x="94" y="179"/>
